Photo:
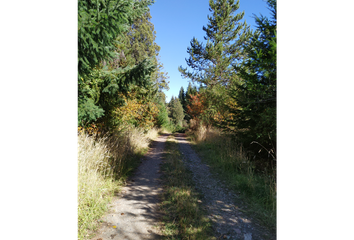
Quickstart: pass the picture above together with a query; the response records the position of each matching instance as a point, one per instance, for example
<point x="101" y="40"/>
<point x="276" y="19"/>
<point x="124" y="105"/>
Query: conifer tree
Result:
<point x="191" y="91"/>
<point x="211" y="65"/>
<point x="99" y="25"/>
<point x="182" y="98"/>
<point x="256" y="96"/>
<point x="138" y="44"/>
<point x="225" y="34"/>
<point x="176" y="111"/>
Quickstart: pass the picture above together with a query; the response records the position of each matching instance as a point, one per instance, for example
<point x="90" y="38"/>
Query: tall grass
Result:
<point x="228" y="158"/>
<point x="103" y="164"/>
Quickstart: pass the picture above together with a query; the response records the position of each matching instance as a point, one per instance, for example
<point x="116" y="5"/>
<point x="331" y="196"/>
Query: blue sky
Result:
<point x="177" y="22"/>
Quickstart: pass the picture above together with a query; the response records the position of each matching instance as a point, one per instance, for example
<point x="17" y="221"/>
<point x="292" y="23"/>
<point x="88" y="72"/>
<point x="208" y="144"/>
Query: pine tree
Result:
<point x="191" y="91"/>
<point x="138" y="44"/>
<point x="256" y="96"/>
<point x="225" y="34"/>
<point x="99" y="25"/>
<point x="162" y="118"/>
<point x="182" y="98"/>
<point x="212" y="64"/>
<point x="176" y="111"/>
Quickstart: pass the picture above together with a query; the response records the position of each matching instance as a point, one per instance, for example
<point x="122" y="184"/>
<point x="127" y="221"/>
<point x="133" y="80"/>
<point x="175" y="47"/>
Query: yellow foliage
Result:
<point x="91" y="129"/>
<point x="140" y="112"/>
<point x="224" y="116"/>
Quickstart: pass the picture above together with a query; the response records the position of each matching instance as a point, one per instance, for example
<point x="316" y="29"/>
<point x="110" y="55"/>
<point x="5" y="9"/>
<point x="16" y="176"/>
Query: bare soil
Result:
<point x="222" y="204"/>
<point x="135" y="213"/>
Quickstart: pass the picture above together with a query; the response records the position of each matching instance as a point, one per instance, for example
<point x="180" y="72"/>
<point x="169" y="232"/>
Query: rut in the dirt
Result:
<point x="134" y="215"/>
<point x="229" y="222"/>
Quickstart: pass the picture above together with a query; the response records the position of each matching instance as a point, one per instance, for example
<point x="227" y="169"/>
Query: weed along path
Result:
<point x="220" y="203"/>
<point x="134" y="214"/>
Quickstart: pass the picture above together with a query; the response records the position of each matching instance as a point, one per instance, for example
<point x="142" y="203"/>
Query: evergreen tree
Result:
<point x="225" y="34"/>
<point x="191" y="91"/>
<point x="162" y="118"/>
<point x="256" y="96"/>
<point x="176" y="111"/>
<point x="212" y="64"/>
<point x="182" y="98"/>
<point x="138" y="44"/>
<point x="99" y="25"/>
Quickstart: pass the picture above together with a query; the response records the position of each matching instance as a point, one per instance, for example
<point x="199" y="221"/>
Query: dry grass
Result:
<point x="103" y="164"/>
<point x="228" y="157"/>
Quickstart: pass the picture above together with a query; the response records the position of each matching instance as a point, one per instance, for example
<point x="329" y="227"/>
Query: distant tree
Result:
<point x="162" y="118"/>
<point x="191" y="90"/>
<point x="176" y="111"/>
<point x="197" y="106"/>
<point x="182" y="98"/>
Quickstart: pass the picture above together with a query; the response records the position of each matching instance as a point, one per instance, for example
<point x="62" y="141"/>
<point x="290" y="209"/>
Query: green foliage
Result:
<point x="138" y="44"/>
<point x="256" y="96"/>
<point x="211" y="64"/>
<point x="225" y="35"/>
<point x="176" y="111"/>
<point x="182" y="98"/>
<point x="108" y="84"/>
<point x="162" y="117"/>
<point x="102" y="25"/>
<point x="99" y="24"/>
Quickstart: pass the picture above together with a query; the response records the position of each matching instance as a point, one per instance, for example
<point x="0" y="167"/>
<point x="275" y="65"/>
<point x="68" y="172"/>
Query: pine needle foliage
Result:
<point x="256" y="96"/>
<point x="99" y="24"/>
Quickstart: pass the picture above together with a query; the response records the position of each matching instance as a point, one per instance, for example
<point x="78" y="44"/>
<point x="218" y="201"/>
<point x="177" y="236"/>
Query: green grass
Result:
<point x="183" y="216"/>
<point x="227" y="158"/>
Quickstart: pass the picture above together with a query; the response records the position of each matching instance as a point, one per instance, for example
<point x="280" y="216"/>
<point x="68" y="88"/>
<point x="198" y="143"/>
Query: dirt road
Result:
<point x="134" y="214"/>
<point x="219" y="201"/>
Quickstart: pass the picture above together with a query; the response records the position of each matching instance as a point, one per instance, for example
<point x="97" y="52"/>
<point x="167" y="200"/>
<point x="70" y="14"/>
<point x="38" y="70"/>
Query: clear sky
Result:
<point x="176" y="22"/>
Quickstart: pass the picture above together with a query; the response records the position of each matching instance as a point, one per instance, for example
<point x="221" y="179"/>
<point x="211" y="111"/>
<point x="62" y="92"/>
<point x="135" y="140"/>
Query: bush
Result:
<point x="180" y="129"/>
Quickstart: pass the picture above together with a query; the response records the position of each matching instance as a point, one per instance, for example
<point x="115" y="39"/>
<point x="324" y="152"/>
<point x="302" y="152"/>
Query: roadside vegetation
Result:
<point x="121" y="103"/>
<point x="228" y="158"/>
<point x="103" y="165"/>
<point x="183" y="216"/>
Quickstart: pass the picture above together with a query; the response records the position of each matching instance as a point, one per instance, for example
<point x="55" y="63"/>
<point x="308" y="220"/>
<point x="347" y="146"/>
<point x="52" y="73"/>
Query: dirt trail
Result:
<point x="229" y="222"/>
<point x="135" y="212"/>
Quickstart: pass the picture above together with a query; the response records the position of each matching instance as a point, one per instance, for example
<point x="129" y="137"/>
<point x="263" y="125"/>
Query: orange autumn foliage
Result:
<point x="196" y="106"/>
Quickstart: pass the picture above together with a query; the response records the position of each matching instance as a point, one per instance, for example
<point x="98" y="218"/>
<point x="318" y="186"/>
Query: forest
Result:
<point x="229" y="107"/>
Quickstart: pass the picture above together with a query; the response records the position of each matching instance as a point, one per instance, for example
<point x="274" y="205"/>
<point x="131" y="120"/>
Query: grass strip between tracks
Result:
<point x="184" y="217"/>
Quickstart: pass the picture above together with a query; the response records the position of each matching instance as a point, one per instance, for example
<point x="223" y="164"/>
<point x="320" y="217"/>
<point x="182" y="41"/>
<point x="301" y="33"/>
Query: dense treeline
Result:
<point x="120" y="78"/>
<point x="236" y="73"/>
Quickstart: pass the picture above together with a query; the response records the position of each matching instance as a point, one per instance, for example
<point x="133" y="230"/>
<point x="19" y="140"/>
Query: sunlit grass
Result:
<point x="228" y="158"/>
<point x="183" y="218"/>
